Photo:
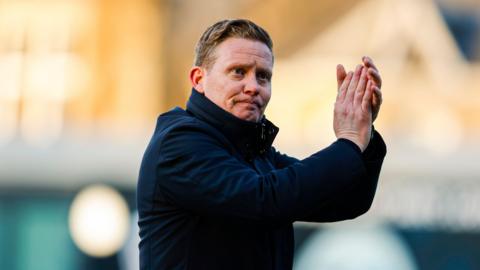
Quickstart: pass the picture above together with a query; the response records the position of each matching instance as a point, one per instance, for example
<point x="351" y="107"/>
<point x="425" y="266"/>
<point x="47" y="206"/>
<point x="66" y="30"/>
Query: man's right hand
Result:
<point x="352" y="118"/>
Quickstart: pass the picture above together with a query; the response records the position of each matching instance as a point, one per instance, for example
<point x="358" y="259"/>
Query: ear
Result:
<point x="196" y="78"/>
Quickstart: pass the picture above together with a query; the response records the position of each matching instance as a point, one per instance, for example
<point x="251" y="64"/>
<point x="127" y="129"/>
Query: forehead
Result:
<point x="246" y="51"/>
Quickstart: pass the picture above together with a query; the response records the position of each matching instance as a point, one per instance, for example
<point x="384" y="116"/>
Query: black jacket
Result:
<point x="214" y="194"/>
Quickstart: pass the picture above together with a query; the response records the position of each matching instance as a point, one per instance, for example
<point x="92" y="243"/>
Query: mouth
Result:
<point x="247" y="109"/>
<point x="249" y="102"/>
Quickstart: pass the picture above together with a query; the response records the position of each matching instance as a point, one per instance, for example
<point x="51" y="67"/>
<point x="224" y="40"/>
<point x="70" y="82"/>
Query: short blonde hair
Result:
<point x="220" y="31"/>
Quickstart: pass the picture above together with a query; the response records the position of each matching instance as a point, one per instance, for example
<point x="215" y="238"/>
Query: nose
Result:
<point x="251" y="86"/>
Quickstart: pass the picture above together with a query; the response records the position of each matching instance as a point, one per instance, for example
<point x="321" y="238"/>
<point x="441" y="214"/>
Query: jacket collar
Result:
<point x="249" y="138"/>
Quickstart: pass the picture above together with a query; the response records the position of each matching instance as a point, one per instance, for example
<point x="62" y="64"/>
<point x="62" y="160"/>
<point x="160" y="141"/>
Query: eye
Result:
<point x="238" y="72"/>
<point x="263" y="76"/>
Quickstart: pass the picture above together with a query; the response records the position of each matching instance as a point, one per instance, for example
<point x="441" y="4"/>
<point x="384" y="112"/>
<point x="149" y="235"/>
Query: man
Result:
<point x="214" y="194"/>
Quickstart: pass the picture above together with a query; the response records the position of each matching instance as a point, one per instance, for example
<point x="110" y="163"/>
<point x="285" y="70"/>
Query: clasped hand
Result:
<point x="358" y="102"/>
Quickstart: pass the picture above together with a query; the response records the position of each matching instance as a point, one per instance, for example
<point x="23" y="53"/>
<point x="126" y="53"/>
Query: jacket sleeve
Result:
<point x="197" y="173"/>
<point x="357" y="200"/>
<point x="282" y="160"/>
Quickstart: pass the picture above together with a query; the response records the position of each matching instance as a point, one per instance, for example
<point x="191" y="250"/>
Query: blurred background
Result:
<point x="82" y="82"/>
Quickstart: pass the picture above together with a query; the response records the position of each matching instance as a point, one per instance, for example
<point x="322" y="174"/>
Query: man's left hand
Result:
<point x="375" y="79"/>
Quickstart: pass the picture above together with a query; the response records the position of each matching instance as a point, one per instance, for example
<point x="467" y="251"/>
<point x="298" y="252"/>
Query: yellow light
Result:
<point x="99" y="221"/>
<point x="10" y="81"/>
<point x="44" y="98"/>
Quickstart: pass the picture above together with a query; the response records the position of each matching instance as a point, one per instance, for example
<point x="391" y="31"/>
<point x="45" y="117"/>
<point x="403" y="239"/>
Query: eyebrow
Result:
<point x="248" y="65"/>
<point x="243" y="65"/>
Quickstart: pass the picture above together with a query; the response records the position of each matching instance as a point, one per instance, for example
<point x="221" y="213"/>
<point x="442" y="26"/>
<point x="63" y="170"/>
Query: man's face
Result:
<point x="238" y="80"/>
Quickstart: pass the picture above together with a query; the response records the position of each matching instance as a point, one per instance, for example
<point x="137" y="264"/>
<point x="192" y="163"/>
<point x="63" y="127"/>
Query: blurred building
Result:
<point x="82" y="82"/>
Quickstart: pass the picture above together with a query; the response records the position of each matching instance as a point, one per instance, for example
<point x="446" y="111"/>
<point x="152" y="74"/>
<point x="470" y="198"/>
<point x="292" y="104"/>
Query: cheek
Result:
<point x="216" y="91"/>
<point x="266" y="95"/>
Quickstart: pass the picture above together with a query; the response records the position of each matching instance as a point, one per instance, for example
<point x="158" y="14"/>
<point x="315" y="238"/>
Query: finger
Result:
<point x="343" y="88"/>
<point x="375" y="76"/>
<point x="341" y="75"/>
<point x="368" y="62"/>
<point x="377" y="96"/>
<point x="367" y="97"/>
<point x="353" y="84"/>
<point x="376" y="102"/>
<point x="360" y="91"/>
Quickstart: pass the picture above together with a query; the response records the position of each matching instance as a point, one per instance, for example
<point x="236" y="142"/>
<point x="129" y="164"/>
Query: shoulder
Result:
<point x="179" y="120"/>
<point x="179" y="129"/>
